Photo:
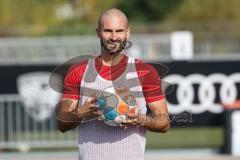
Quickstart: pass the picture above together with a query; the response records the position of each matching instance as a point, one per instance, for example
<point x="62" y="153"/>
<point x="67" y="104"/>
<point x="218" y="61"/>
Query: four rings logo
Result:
<point x="211" y="92"/>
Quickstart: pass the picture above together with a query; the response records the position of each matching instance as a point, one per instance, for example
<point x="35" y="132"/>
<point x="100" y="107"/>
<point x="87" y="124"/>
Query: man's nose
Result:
<point x="113" y="36"/>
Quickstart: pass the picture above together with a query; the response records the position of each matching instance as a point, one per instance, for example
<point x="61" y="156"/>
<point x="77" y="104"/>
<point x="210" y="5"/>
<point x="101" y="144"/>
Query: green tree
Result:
<point x="41" y="17"/>
<point x="147" y="11"/>
<point x="205" y="15"/>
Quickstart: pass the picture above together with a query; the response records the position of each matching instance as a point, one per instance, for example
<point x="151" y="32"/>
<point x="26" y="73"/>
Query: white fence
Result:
<point x="18" y="130"/>
<point x="56" y="50"/>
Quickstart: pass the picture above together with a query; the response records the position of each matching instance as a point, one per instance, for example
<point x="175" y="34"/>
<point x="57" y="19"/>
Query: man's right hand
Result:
<point x="89" y="110"/>
<point x="69" y="114"/>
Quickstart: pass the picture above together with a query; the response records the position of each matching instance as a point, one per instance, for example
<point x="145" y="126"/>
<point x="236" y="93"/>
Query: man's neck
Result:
<point x="111" y="60"/>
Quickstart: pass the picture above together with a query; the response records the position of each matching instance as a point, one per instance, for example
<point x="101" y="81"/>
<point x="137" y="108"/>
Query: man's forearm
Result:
<point x="67" y="119"/>
<point x="65" y="126"/>
<point x="155" y="123"/>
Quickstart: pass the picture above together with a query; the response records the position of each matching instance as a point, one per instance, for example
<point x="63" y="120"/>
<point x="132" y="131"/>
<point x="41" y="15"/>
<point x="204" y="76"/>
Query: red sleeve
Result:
<point x="72" y="81"/>
<point x="150" y="81"/>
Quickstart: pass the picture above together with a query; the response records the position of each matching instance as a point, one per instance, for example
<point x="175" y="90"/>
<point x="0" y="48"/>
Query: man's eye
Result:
<point x="108" y="31"/>
<point x="119" y="31"/>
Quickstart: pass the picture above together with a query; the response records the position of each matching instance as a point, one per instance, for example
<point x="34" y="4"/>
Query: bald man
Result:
<point x="98" y="141"/>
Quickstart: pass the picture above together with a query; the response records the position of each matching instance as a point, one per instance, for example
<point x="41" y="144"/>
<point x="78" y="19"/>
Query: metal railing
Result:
<point x="18" y="130"/>
<point x="55" y="50"/>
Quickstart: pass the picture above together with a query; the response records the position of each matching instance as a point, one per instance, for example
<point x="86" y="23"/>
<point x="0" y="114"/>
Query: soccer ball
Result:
<point x="115" y="115"/>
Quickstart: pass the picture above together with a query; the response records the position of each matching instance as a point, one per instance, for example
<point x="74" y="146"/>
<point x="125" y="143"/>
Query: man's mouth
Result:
<point x="112" y="44"/>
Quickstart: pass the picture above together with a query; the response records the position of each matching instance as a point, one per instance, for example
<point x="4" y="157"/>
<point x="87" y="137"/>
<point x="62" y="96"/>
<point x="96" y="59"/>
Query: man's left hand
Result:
<point x="133" y="120"/>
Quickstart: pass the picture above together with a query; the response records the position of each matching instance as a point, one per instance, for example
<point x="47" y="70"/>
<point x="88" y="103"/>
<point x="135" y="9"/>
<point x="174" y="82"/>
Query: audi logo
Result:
<point x="212" y="91"/>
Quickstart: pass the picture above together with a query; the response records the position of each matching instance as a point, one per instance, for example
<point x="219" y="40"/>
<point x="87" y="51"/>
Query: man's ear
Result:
<point x="98" y="32"/>
<point x="128" y="32"/>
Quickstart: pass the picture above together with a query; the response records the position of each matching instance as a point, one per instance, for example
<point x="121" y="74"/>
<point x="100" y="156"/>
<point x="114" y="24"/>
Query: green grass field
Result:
<point x="211" y="137"/>
<point x="187" y="137"/>
<point x="175" y="138"/>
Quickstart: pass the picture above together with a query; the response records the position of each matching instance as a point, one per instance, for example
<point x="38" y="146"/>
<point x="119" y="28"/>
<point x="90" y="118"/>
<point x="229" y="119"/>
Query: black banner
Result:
<point x="209" y="82"/>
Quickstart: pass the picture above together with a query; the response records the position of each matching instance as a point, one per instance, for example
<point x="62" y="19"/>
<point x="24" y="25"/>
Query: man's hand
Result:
<point x="69" y="114"/>
<point x="135" y="120"/>
<point x="89" y="110"/>
<point x="157" y="121"/>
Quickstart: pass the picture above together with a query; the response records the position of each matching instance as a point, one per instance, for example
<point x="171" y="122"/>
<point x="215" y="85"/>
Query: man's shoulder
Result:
<point x="77" y="67"/>
<point x="138" y="60"/>
<point x="142" y="65"/>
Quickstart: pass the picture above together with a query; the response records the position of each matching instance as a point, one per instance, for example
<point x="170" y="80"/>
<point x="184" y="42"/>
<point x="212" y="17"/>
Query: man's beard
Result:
<point x="120" y="48"/>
